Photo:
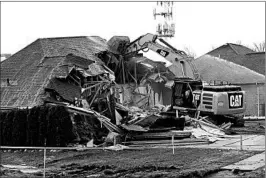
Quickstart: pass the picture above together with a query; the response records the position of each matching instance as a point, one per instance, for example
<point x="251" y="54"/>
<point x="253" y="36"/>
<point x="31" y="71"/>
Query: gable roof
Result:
<point x="34" y="66"/>
<point x="241" y="55"/>
<point x="240" y="49"/>
<point x="214" y="68"/>
<point x="236" y="48"/>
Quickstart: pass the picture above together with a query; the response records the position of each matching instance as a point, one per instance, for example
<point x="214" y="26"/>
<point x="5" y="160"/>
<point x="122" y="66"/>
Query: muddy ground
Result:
<point x="186" y="162"/>
<point x="251" y="127"/>
<point x="160" y="162"/>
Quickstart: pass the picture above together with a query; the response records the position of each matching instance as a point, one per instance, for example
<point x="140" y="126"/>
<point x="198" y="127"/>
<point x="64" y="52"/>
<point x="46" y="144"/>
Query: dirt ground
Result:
<point x="251" y="127"/>
<point x="259" y="173"/>
<point x="186" y="162"/>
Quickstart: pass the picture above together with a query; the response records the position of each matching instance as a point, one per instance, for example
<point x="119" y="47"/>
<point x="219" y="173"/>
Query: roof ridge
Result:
<point x="236" y="44"/>
<point x="238" y="65"/>
<point x="214" y="49"/>
<point x="240" y="45"/>
<point x="64" y="37"/>
<point x="231" y="45"/>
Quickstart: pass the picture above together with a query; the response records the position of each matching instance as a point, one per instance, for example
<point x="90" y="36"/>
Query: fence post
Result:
<point x="241" y="144"/>
<point x="44" y="157"/>
<point x="173" y="144"/>
<point x="258" y="100"/>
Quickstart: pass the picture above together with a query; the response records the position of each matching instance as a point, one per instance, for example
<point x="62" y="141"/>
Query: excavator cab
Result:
<point x="223" y="103"/>
<point x="186" y="93"/>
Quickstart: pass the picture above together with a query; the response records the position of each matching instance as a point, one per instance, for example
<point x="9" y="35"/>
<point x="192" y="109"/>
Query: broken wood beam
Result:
<point x="123" y="71"/>
<point x="144" y="77"/>
<point x="208" y="124"/>
<point x="121" y="107"/>
<point x="142" y="99"/>
<point x="95" y="95"/>
<point x="135" y="73"/>
<point x="205" y="120"/>
<point x="106" y="121"/>
<point x="75" y="80"/>
<point x="146" y="135"/>
<point x="87" y="88"/>
<point x="132" y="77"/>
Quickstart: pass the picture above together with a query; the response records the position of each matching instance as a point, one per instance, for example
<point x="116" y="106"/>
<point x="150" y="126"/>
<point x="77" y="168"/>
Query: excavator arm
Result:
<point x="181" y="62"/>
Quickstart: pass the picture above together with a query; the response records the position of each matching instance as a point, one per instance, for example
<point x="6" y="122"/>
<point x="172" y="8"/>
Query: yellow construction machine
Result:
<point x="221" y="102"/>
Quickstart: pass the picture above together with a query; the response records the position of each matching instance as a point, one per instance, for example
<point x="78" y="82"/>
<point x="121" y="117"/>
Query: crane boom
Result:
<point x="181" y="62"/>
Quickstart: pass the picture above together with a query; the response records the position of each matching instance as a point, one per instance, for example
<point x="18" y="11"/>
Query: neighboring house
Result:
<point x="241" y="55"/>
<point x="213" y="68"/>
<point x="51" y="67"/>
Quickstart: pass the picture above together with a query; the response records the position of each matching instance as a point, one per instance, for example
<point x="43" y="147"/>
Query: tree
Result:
<point x="259" y="47"/>
<point x="190" y="52"/>
<point x="239" y="42"/>
<point x="213" y="47"/>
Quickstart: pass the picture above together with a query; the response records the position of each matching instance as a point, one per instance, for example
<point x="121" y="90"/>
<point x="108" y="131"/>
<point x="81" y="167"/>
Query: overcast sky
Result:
<point x="199" y="25"/>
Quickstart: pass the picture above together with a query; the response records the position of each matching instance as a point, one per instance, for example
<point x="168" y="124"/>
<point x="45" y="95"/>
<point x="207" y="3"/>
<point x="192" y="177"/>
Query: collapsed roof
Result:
<point x="25" y="74"/>
<point x="151" y="70"/>
<point x="47" y="63"/>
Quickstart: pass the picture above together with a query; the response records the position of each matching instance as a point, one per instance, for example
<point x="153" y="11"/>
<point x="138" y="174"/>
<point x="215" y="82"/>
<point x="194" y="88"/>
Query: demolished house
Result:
<point x="143" y="82"/>
<point x="59" y="71"/>
<point x="90" y="77"/>
<point x="54" y="68"/>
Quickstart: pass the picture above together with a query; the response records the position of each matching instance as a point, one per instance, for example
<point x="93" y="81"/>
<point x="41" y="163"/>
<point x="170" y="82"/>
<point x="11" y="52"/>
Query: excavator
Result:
<point x="190" y="95"/>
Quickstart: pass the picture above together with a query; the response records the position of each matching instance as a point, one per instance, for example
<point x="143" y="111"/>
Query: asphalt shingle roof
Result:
<point x="241" y="55"/>
<point x="34" y="66"/>
<point x="64" y="89"/>
<point x="214" y="68"/>
<point x="240" y="49"/>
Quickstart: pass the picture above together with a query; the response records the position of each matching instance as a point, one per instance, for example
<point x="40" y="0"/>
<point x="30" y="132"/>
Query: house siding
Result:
<point x="258" y="62"/>
<point x="167" y="96"/>
<point x="252" y="99"/>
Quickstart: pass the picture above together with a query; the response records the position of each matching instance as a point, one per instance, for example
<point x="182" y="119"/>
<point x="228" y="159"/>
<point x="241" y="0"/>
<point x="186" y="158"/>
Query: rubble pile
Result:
<point x="84" y="100"/>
